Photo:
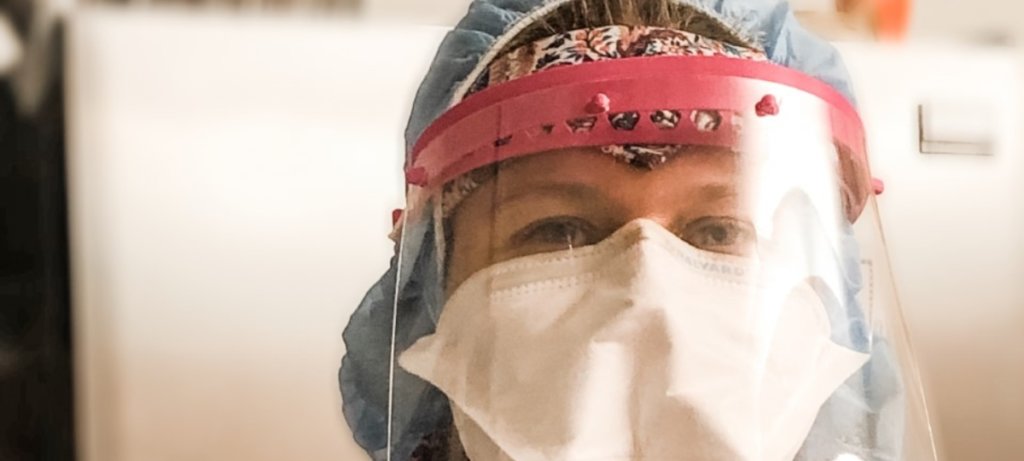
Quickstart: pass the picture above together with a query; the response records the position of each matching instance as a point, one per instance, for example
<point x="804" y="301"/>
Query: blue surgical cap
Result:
<point x="845" y="424"/>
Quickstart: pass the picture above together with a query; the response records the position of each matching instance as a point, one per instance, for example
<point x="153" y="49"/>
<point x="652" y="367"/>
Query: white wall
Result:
<point x="954" y="226"/>
<point x="967" y="21"/>
<point x="231" y="181"/>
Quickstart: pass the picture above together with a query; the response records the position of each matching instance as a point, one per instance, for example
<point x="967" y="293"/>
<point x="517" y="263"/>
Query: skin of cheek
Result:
<point x="626" y="194"/>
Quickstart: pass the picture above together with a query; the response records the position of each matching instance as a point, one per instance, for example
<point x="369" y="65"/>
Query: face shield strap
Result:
<point x="625" y="102"/>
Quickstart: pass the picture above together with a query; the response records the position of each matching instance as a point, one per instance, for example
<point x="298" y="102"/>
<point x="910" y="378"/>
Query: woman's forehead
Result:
<point x="692" y="166"/>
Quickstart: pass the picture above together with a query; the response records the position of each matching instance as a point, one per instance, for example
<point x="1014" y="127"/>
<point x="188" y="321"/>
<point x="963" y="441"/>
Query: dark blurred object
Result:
<point x="35" y="23"/>
<point x="19" y="12"/>
<point x="35" y="334"/>
<point x="995" y="38"/>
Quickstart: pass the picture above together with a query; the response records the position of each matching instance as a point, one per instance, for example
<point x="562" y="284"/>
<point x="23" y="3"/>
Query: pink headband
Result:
<point x="635" y="92"/>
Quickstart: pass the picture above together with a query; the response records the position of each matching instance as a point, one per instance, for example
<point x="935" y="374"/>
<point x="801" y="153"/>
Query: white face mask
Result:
<point x="639" y="348"/>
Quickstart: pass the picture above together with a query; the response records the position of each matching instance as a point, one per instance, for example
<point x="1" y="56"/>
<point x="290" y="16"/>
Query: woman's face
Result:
<point x="573" y="198"/>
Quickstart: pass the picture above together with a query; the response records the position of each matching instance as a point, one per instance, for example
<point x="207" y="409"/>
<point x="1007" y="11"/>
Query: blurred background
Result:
<point x="196" y="194"/>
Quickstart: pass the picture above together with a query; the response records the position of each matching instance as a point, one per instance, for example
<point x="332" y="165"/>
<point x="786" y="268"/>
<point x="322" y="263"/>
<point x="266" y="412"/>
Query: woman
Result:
<point x="629" y="236"/>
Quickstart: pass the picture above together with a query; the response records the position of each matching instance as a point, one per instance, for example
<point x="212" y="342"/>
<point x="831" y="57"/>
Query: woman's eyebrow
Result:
<point x="708" y="194"/>
<point x="717" y="191"/>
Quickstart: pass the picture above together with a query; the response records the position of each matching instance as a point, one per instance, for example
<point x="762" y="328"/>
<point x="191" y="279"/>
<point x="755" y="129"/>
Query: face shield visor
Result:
<point x="652" y="258"/>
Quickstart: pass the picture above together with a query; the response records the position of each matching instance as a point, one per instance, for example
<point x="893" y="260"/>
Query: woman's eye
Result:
<point x="721" y="235"/>
<point x="557" y="232"/>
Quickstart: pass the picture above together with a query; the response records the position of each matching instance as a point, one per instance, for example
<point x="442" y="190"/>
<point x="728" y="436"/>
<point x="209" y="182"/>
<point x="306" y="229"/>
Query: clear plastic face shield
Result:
<point x="649" y="259"/>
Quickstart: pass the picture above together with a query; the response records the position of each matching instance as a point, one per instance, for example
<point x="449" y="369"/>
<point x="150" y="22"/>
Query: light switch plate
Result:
<point x="956" y="128"/>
